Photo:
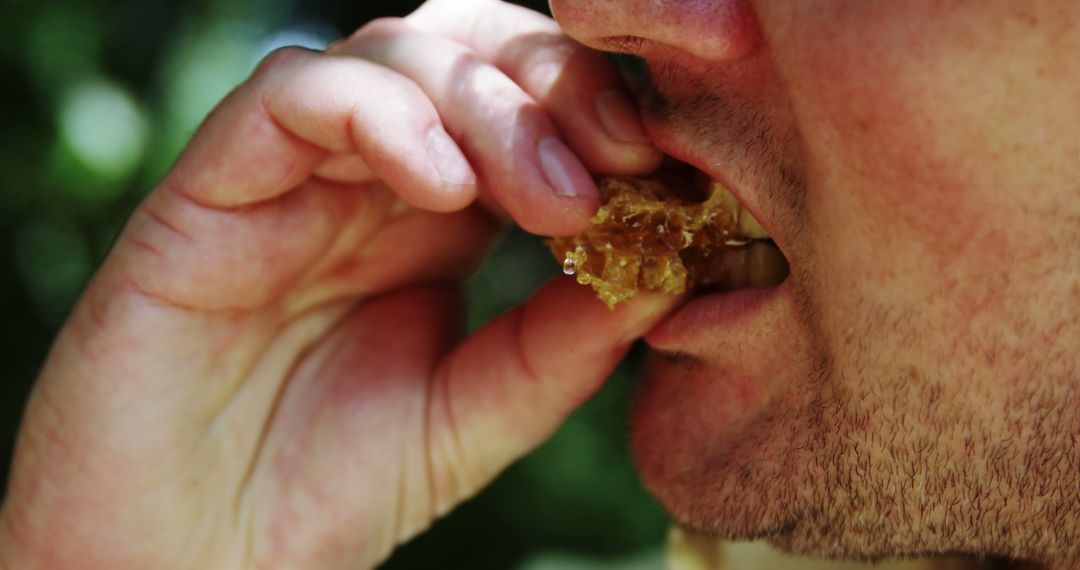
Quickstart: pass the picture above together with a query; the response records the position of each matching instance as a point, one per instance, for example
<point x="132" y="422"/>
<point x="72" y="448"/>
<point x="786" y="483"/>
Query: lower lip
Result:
<point x="709" y="312"/>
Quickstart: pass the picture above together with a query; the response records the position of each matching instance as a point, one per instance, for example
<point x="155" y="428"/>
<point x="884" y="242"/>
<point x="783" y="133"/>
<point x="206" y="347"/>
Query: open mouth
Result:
<point x="675" y="231"/>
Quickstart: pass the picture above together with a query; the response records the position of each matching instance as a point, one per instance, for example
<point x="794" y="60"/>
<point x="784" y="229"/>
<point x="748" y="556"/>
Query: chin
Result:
<point x="724" y="457"/>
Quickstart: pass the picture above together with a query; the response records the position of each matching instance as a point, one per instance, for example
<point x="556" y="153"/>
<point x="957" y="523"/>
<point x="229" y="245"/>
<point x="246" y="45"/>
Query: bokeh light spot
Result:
<point x="203" y="65"/>
<point x="314" y="35"/>
<point x="103" y="127"/>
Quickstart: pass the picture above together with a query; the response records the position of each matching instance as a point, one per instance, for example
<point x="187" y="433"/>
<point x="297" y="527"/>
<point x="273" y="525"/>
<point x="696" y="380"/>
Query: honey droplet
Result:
<point x="569" y="266"/>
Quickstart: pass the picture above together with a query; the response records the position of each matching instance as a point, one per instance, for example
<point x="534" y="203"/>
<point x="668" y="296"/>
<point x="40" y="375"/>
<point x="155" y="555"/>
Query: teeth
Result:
<point x="759" y="264"/>
<point x="726" y="269"/>
<point x="736" y="262"/>
<point x="749" y="226"/>
<point x="747" y="261"/>
<point x="725" y="200"/>
<point x="765" y="265"/>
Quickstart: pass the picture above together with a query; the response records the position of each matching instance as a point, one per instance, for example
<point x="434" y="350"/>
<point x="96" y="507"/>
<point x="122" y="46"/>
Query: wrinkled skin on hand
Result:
<point x="270" y="369"/>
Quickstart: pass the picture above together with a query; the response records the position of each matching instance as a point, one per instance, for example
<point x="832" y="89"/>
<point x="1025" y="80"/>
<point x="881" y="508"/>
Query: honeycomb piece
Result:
<point x="666" y="232"/>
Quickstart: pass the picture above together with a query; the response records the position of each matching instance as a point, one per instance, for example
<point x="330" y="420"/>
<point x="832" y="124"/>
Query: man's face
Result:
<point x="913" y="386"/>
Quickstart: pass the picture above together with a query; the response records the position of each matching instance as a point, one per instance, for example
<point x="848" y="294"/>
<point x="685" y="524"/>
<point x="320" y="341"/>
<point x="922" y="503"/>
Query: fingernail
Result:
<point x="620" y="116"/>
<point x="564" y="172"/>
<point x="448" y="159"/>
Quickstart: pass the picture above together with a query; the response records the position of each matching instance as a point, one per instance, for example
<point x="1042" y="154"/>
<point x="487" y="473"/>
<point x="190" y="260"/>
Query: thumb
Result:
<point x="505" y="389"/>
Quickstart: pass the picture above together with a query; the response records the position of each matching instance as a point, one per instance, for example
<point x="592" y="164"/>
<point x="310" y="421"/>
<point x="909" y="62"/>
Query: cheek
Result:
<point x="891" y="176"/>
<point x="896" y="108"/>
<point x="883" y="163"/>
<point x="903" y="158"/>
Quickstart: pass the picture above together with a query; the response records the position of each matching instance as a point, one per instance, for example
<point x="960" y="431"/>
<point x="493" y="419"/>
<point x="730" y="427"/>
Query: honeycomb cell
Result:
<point x="669" y="232"/>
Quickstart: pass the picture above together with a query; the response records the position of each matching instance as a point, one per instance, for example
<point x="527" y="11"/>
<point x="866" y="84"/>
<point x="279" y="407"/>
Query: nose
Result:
<point x="711" y="30"/>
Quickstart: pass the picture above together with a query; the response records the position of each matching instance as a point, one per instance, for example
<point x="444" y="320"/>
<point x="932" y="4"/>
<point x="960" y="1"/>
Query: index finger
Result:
<point x="301" y="106"/>
<point x="581" y="90"/>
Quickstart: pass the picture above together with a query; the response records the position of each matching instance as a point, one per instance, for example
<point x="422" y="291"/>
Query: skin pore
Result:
<point x="914" y="390"/>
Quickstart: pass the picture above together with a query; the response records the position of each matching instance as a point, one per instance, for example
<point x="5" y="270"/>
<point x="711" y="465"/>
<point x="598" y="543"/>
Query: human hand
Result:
<point x="268" y="370"/>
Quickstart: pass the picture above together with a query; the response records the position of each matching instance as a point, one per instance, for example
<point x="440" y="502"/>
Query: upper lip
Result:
<point x="673" y="147"/>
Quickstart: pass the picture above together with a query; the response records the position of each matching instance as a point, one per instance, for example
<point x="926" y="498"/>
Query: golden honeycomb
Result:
<point x="670" y="232"/>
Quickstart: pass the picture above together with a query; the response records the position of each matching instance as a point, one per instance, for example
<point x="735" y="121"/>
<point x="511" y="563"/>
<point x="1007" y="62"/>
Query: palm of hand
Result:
<point x="314" y="350"/>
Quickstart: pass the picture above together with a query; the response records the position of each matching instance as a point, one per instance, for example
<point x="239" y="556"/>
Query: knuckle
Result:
<point x="282" y="58"/>
<point x="442" y="16"/>
<point x="467" y="63"/>
<point x="379" y="28"/>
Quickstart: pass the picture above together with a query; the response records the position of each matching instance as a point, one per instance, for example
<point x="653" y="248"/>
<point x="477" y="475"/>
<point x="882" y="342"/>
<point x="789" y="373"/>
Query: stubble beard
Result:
<point x="886" y="450"/>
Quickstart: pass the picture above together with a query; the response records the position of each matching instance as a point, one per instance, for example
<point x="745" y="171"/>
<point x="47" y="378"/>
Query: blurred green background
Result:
<point x="97" y="99"/>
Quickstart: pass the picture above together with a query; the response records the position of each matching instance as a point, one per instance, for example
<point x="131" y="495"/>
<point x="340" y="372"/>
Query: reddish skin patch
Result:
<point x="744" y="387"/>
<point x="916" y="162"/>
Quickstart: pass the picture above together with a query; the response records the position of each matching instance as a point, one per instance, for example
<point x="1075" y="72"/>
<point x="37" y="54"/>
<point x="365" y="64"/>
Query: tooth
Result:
<point x="749" y="226"/>
<point x="723" y="268"/>
<point x="725" y="200"/>
<point x="733" y="262"/>
<point x="765" y="265"/>
<point x="737" y="274"/>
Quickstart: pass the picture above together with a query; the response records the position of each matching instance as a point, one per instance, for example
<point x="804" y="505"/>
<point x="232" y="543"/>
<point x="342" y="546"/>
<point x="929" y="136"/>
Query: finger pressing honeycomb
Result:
<point x="670" y="232"/>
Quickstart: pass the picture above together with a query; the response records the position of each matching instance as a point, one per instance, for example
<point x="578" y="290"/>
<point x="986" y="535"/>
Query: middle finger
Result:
<point x="509" y="139"/>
